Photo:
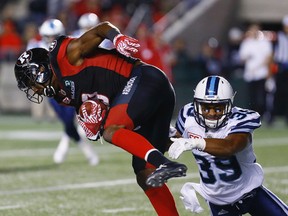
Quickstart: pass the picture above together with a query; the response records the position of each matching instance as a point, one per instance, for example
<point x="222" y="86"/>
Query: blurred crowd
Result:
<point x="16" y="32"/>
<point x="241" y="58"/>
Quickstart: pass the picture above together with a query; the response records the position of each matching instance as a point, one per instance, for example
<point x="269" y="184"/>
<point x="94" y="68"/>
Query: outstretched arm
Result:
<point x="87" y="44"/>
<point x="228" y="146"/>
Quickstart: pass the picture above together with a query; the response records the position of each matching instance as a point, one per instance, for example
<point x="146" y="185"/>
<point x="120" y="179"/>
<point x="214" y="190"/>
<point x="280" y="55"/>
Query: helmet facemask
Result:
<point x="220" y="120"/>
<point x="33" y="76"/>
<point x="213" y="101"/>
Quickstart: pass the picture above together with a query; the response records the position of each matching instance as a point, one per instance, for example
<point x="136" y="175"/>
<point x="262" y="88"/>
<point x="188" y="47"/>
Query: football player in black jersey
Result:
<point x="140" y="99"/>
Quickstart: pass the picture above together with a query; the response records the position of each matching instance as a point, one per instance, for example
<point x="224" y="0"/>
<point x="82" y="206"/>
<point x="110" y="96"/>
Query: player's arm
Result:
<point x="88" y="43"/>
<point x="226" y="147"/>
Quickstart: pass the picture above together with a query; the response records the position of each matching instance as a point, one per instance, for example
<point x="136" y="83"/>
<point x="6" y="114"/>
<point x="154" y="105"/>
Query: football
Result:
<point x="90" y="116"/>
<point x="92" y="108"/>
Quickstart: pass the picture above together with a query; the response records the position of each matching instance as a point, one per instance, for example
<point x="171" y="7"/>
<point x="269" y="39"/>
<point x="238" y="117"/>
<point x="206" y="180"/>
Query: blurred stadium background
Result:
<point x="32" y="185"/>
<point x="193" y="22"/>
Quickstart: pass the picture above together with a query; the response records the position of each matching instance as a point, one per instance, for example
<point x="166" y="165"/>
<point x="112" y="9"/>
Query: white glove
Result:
<point x="180" y="145"/>
<point x="126" y="45"/>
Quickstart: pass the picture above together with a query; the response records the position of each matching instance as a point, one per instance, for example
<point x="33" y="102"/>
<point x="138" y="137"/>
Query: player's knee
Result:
<point x="109" y="132"/>
<point x="142" y="176"/>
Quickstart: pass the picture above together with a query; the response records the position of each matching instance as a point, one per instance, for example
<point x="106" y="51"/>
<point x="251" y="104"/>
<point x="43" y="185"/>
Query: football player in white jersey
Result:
<point x="220" y="136"/>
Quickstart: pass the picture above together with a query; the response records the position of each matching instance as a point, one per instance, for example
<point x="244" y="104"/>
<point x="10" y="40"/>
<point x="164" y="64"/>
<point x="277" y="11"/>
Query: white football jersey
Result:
<point x="224" y="180"/>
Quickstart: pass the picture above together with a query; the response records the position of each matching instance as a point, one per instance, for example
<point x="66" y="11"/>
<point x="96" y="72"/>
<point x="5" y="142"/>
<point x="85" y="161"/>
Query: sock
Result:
<point x="156" y="158"/>
<point x="139" y="146"/>
<point x="162" y="201"/>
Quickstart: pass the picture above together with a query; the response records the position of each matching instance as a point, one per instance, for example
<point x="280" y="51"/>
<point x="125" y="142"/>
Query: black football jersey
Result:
<point x="103" y="74"/>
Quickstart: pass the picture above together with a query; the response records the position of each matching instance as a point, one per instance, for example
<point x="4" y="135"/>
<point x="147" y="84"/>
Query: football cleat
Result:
<point x="62" y="150"/>
<point x="164" y="172"/>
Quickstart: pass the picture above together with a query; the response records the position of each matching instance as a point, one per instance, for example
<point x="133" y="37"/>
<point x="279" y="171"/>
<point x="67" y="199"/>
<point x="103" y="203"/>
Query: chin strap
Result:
<point x="49" y="90"/>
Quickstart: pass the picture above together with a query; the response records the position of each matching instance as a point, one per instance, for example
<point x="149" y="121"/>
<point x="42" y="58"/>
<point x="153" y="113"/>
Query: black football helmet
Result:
<point x="32" y="69"/>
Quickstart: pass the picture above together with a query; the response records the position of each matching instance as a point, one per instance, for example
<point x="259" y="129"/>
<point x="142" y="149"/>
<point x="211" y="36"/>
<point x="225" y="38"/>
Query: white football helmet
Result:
<point x="88" y="20"/>
<point x="213" y="90"/>
<point x="52" y="27"/>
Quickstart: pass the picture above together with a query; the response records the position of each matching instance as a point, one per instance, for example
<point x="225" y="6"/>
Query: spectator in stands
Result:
<point x="148" y="51"/>
<point x="184" y="73"/>
<point x="233" y="66"/>
<point x="11" y="44"/>
<point x="281" y="59"/>
<point x="209" y="60"/>
<point x="256" y="53"/>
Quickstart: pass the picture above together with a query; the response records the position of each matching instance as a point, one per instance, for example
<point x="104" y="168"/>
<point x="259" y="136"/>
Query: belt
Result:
<point x="244" y="199"/>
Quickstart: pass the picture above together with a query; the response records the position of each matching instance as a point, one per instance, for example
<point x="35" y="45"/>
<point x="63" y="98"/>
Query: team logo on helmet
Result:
<point x="24" y="58"/>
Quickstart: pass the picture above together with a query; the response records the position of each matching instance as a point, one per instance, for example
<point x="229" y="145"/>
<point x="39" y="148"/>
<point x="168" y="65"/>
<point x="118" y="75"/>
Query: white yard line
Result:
<point x="114" y="183"/>
<point x="10" y="207"/>
<point x="56" y="135"/>
<point x="118" y="210"/>
<point x="30" y="135"/>
<point x="39" y="152"/>
<point x="80" y="186"/>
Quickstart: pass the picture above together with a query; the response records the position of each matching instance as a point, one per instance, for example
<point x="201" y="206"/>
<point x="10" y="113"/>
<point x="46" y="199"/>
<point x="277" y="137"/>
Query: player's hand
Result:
<point x="90" y="117"/>
<point x="180" y="145"/>
<point x="126" y="45"/>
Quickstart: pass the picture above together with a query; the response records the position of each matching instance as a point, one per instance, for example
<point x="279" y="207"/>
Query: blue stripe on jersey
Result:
<point x="246" y="126"/>
<point x="212" y="86"/>
<point x="254" y="121"/>
<point x="180" y="121"/>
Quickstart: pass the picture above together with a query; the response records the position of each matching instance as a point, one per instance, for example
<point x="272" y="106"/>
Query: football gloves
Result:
<point x="126" y="45"/>
<point x="91" y="121"/>
<point x="180" y="145"/>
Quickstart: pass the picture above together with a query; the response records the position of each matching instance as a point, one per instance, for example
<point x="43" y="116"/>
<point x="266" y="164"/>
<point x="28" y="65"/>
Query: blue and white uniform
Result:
<point x="226" y="181"/>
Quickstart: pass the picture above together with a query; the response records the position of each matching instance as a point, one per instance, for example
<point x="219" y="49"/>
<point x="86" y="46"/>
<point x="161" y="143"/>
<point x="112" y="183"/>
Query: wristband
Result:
<point x="200" y="144"/>
<point x="112" y="33"/>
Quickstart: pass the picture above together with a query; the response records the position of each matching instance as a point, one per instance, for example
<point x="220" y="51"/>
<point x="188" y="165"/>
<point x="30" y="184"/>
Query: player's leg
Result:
<point x="147" y="93"/>
<point x="223" y="210"/>
<point x="61" y="151"/>
<point x="160" y="197"/>
<point x="67" y="116"/>
<point x="270" y="204"/>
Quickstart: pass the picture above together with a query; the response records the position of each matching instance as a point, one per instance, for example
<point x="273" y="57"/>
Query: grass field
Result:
<point x="32" y="185"/>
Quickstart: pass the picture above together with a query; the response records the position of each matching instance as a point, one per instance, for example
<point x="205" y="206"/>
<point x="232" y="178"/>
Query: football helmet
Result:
<point x="31" y="70"/>
<point x="88" y="20"/>
<point x="213" y="90"/>
<point x="52" y="27"/>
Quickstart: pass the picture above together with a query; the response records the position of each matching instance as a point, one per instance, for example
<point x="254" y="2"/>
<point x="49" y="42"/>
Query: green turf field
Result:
<point x="32" y="185"/>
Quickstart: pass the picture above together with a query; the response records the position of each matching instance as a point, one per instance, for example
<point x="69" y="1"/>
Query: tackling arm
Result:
<point x="228" y="146"/>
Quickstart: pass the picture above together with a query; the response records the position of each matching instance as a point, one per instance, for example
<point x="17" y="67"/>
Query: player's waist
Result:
<point x="242" y="203"/>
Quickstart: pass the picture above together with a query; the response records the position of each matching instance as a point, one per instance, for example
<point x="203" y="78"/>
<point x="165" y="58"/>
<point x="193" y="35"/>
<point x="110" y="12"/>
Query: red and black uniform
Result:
<point x="139" y="95"/>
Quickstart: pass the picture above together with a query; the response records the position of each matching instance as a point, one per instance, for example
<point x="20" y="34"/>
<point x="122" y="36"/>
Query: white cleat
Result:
<point x="62" y="150"/>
